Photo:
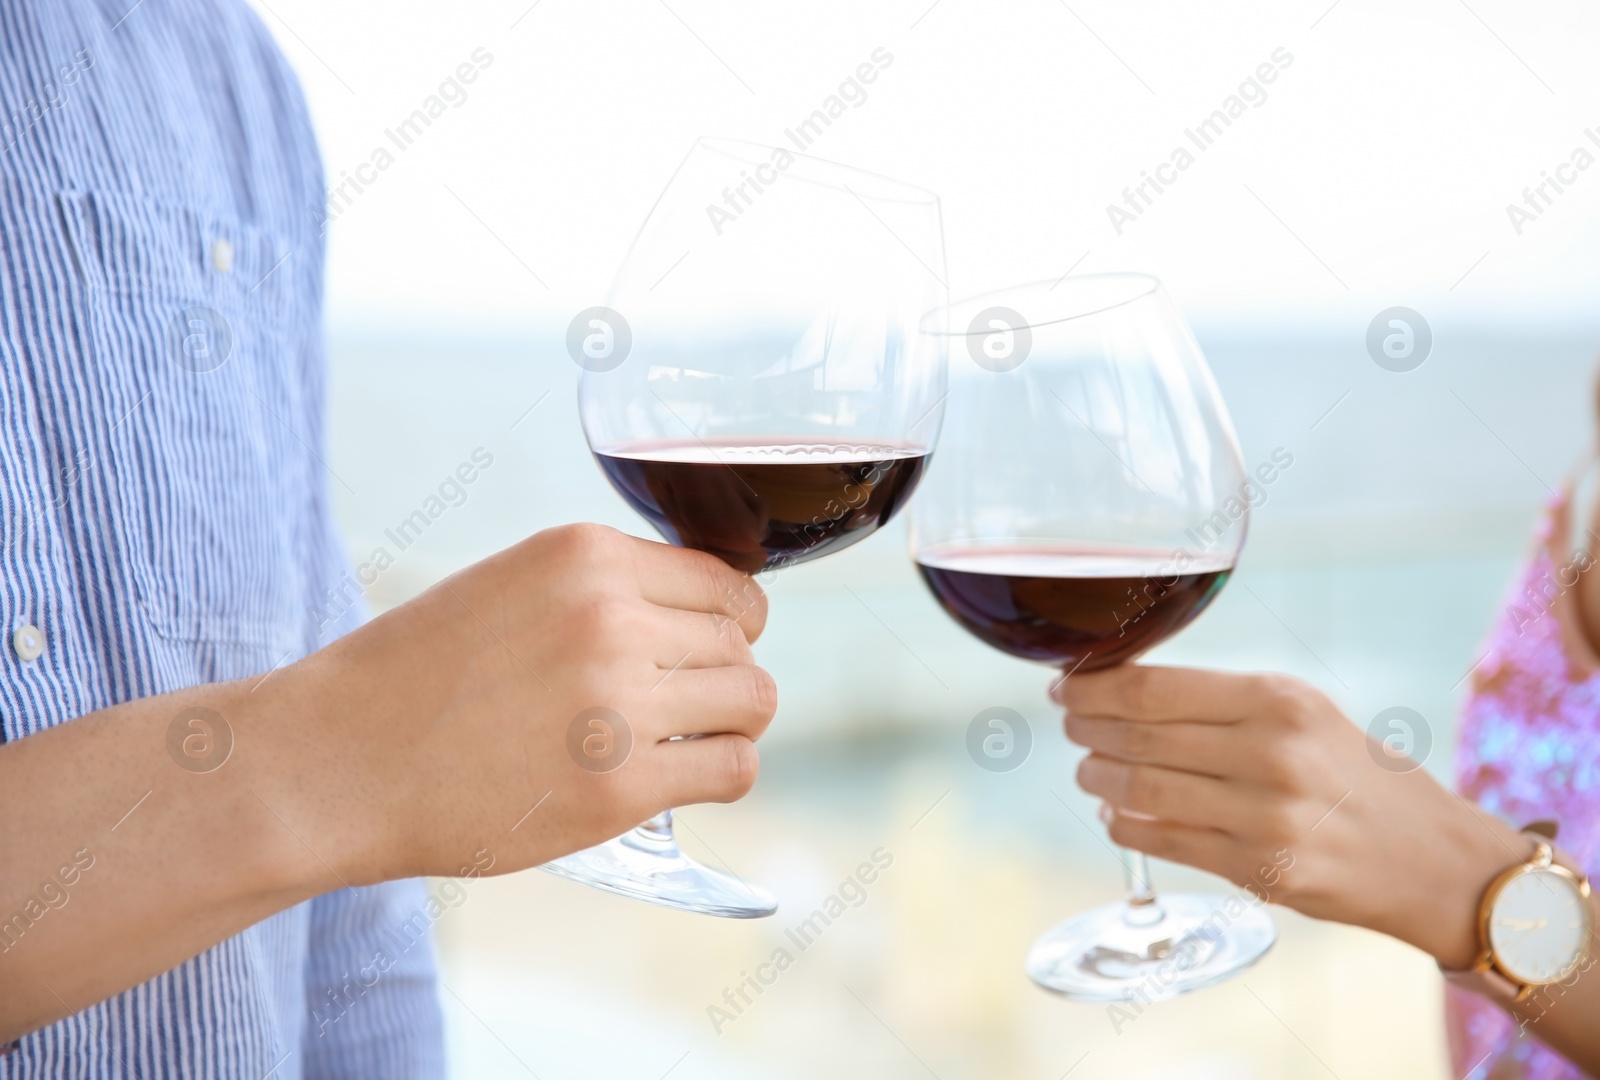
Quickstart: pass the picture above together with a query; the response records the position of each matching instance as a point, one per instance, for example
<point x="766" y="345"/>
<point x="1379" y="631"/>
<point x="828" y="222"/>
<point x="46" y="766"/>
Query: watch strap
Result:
<point x="1485" y="981"/>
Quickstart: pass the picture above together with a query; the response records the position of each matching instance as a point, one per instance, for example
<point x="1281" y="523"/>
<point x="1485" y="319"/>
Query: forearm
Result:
<point x="117" y="862"/>
<point x="1450" y="856"/>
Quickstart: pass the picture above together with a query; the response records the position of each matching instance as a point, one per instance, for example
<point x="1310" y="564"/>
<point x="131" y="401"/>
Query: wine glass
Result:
<point x="1089" y="501"/>
<point x="758" y="387"/>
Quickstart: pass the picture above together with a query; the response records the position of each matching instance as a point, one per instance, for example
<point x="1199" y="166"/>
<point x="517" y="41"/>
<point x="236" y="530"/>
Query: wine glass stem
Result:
<point x="658" y="827"/>
<point x="1142" y="906"/>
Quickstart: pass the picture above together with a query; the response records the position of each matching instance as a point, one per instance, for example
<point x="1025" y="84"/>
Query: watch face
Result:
<point x="1539" y="927"/>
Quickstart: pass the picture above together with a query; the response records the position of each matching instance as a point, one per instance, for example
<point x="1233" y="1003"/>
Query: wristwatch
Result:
<point x="1534" y="924"/>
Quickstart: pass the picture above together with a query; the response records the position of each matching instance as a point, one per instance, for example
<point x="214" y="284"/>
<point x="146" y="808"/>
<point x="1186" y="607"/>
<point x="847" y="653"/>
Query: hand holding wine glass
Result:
<point x="1084" y="507"/>
<point x="1260" y="779"/>
<point x="775" y="402"/>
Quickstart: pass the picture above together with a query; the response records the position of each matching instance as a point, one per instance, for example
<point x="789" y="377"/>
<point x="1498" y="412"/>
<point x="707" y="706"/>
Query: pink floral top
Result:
<point x="1530" y="750"/>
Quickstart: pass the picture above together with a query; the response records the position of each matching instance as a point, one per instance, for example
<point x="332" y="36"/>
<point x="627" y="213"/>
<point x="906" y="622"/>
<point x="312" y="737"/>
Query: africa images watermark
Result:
<point x="1199" y="941"/>
<point x="1541" y="594"/>
<point x="451" y="93"/>
<point x="1542" y="196"/>
<point x="1252" y="493"/>
<point x="396" y="942"/>
<point x="65" y="481"/>
<point x="451" y="494"/>
<point x="1252" y="93"/>
<point x="851" y="93"/>
<point x="999" y="739"/>
<point x="52" y="895"/>
<point x="49" y="97"/>
<point x="851" y="893"/>
<point x="1399" y="339"/>
<point x="1544" y="998"/>
<point x="822" y="527"/>
<point x="199" y="740"/>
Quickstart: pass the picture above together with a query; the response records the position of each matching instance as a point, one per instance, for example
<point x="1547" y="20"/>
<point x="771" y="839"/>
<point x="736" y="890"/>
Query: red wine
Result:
<point x="761" y="505"/>
<point x="1081" y="607"/>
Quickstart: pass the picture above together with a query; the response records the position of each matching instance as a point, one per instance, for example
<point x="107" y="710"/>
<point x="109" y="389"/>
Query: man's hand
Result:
<point x="446" y="737"/>
<point x="431" y="732"/>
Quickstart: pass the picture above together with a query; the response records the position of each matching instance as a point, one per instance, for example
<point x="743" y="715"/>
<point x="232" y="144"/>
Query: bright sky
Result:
<point x="1376" y="171"/>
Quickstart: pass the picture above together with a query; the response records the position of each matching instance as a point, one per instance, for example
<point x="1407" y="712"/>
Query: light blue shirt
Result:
<point x="164" y="517"/>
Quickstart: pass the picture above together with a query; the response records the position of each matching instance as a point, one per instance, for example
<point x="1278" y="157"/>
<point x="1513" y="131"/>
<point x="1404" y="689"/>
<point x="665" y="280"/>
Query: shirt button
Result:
<point x="28" y="642"/>
<point x="222" y="256"/>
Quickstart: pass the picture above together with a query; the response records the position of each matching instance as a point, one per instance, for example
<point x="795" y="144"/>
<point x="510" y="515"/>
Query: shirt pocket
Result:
<point x="197" y="324"/>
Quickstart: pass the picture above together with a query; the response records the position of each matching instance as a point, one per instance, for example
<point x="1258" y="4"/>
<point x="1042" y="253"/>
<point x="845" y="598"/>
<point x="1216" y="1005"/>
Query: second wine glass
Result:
<point x="1088" y="503"/>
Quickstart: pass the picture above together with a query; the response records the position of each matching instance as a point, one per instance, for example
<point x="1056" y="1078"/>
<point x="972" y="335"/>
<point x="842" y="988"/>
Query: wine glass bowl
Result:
<point x="794" y="315"/>
<point x="759" y="386"/>
<point x="763" y="507"/>
<point x="1090" y="501"/>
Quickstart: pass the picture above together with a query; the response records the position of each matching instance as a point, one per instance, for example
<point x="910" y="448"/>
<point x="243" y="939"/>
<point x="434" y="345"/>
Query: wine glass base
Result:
<point x="1135" y="953"/>
<point x="644" y="866"/>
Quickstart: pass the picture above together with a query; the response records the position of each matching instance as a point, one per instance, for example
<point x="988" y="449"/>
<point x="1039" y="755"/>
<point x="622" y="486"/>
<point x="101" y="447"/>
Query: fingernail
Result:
<point x="1105" y="813"/>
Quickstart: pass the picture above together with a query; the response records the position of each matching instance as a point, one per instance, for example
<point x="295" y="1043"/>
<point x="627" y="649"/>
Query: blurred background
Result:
<point x="1376" y="171"/>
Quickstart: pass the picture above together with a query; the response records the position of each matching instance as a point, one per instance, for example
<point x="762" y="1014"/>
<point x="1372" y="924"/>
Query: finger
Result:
<point x="718" y="768"/>
<point x="1143" y="692"/>
<point x="1180" y="797"/>
<point x="694" y="581"/>
<point x="739" y="699"/>
<point x="1208" y="749"/>
<point x="1205" y="849"/>
<point x="695" y="639"/>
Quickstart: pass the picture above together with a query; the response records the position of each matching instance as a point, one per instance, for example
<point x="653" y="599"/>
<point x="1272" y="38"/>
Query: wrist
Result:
<point x="229" y="805"/>
<point x="1448" y="888"/>
<point x="310" y="781"/>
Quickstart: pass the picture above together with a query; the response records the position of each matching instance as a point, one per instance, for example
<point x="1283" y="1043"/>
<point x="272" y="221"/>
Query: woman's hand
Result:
<point x="1235" y="773"/>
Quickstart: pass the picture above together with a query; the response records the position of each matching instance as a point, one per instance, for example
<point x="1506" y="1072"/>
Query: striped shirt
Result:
<point x="164" y="517"/>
